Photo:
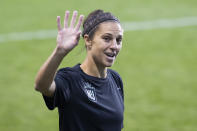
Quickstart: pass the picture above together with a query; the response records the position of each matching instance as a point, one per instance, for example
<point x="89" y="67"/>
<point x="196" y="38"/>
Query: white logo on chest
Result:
<point x="90" y="91"/>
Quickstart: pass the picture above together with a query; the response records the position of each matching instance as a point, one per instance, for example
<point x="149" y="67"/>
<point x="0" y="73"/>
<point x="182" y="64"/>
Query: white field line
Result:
<point x="161" y="23"/>
<point x="127" y="26"/>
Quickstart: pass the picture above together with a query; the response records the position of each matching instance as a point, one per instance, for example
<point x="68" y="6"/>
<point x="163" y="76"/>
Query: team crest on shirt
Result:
<point x="90" y="91"/>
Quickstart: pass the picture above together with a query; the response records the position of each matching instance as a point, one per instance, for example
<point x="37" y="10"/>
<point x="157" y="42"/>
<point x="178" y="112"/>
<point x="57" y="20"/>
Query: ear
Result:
<point x="88" y="42"/>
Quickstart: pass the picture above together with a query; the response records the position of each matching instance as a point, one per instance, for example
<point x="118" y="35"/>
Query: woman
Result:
<point x="89" y="96"/>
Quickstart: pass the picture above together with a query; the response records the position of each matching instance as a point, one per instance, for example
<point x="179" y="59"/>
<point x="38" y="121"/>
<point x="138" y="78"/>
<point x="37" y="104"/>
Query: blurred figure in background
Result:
<point x="89" y="96"/>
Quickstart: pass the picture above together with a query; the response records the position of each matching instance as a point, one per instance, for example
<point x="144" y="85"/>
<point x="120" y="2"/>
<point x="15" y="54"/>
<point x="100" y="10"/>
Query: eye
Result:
<point x="119" y="40"/>
<point x="107" y="38"/>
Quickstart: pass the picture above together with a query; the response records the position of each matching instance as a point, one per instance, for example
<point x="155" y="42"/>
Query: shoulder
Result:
<point x="114" y="73"/>
<point x="116" y="76"/>
<point x="118" y="80"/>
<point x="68" y="71"/>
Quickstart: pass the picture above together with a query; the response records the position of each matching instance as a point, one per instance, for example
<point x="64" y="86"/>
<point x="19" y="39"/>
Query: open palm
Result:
<point x="68" y="36"/>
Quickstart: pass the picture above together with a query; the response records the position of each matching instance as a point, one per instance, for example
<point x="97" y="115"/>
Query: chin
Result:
<point x="108" y="64"/>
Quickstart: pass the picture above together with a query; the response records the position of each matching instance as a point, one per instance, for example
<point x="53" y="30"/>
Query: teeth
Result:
<point x="111" y="55"/>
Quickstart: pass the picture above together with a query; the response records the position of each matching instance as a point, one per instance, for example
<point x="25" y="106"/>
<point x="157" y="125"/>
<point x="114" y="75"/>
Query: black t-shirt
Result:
<point x="87" y="103"/>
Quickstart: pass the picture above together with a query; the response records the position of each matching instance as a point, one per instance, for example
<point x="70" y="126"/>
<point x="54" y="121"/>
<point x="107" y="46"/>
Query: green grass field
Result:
<point x="158" y="66"/>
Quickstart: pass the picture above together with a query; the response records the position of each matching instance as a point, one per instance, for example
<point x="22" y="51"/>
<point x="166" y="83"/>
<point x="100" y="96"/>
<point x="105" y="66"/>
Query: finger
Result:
<point x="58" y="23"/>
<point x="78" y="35"/>
<point x="66" y="19"/>
<point x="79" y="22"/>
<point x="73" y="19"/>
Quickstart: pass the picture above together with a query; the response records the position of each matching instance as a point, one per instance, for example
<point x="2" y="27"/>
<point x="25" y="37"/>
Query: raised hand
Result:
<point x="68" y="36"/>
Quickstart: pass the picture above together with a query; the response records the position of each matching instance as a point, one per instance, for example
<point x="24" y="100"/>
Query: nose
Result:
<point x="114" y="45"/>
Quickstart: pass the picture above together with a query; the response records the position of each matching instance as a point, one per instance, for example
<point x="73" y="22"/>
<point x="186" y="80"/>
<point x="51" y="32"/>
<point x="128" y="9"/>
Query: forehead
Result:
<point x="111" y="27"/>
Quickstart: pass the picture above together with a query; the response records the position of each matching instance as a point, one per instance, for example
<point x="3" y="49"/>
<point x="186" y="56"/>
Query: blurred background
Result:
<point x="158" y="61"/>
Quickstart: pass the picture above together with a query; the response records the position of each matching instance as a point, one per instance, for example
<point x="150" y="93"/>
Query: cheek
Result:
<point x="97" y="50"/>
<point x="119" y="47"/>
<point x="100" y="47"/>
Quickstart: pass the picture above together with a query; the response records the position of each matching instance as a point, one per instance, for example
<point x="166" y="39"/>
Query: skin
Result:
<point x="106" y="42"/>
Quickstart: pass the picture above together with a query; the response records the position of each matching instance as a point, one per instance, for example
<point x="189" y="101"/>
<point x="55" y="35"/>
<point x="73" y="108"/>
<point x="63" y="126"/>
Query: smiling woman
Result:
<point x="89" y="96"/>
<point x="105" y="45"/>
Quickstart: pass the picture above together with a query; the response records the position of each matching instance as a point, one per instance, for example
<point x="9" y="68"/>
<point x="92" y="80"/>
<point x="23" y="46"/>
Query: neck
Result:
<point x="90" y="67"/>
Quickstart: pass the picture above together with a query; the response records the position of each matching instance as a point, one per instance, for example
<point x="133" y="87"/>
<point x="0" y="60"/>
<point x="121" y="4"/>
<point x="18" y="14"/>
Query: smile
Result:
<point x="110" y="56"/>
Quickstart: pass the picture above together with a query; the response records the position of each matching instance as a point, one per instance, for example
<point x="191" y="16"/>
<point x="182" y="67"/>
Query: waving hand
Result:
<point x="68" y="36"/>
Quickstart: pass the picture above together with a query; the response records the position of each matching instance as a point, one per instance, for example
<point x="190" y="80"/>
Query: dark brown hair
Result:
<point x="90" y="24"/>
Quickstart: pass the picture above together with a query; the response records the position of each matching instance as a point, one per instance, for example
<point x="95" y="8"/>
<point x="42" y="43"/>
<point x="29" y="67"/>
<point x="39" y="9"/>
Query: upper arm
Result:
<point x="59" y="91"/>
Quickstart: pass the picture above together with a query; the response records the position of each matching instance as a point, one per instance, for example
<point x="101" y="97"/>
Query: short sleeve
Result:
<point x="118" y="80"/>
<point x="62" y="92"/>
<point x="122" y="125"/>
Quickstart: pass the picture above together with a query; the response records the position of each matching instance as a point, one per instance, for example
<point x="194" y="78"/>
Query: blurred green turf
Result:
<point x="158" y="67"/>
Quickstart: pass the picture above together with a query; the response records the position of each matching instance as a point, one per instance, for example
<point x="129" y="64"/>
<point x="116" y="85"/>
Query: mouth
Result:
<point x="110" y="55"/>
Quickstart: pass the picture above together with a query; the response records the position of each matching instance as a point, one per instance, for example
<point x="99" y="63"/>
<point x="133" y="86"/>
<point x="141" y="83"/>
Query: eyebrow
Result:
<point x="108" y="34"/>
<point x="119" y="36"/>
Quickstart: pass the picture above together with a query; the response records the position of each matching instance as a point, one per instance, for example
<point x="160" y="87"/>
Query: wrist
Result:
<point x="60" y="52"/>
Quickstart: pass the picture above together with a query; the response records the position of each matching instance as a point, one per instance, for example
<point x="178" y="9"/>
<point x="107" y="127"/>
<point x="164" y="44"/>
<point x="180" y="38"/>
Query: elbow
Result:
<point x="37" y="87"/>
<point x="40" y="87"/>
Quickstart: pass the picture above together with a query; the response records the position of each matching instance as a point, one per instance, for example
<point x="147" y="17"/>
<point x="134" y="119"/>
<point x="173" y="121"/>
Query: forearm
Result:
<point x="67" y="39"/>
<point x="47" y="72"/>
